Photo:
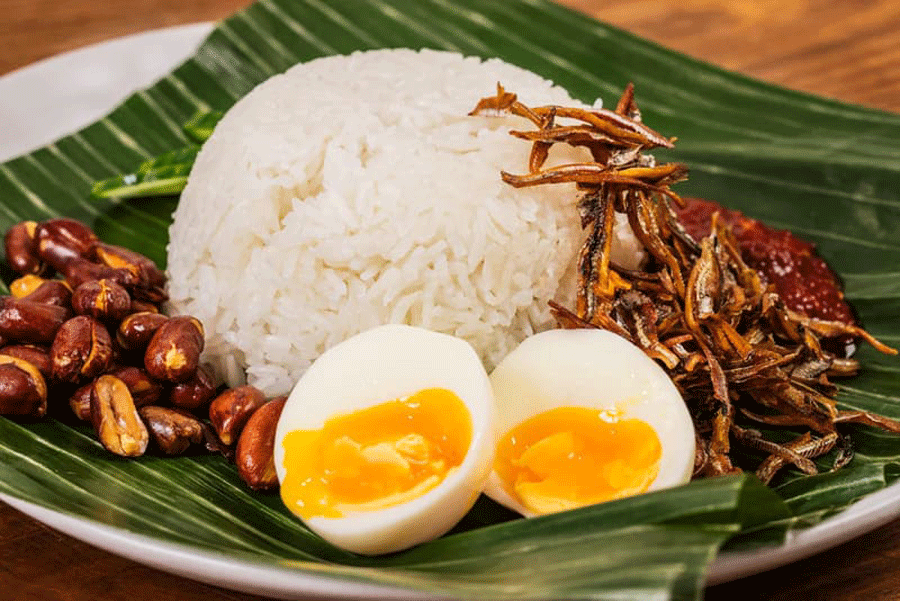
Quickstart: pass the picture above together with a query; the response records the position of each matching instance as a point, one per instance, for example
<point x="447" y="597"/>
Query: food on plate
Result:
<point x="387" y="439"/>
<point x="173" y="353"/>
<point x="24" y="388"/>
<point x="230" y="411"/>
<point x="255" y="452"/>
<point x="354" y="191"/>
<point x="801" y="278"/>
<point x="115" y="418"/>
<point x="173" y="430"/>
<point x="584" y="417"/>
<point x="21" y="249"/>
<point x="741" y="358"/>
<point x="82" y="339"/>
<point x="107" y="351"/>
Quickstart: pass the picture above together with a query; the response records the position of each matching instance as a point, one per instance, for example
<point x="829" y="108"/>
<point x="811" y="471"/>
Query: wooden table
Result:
<point x="846" y="50"/>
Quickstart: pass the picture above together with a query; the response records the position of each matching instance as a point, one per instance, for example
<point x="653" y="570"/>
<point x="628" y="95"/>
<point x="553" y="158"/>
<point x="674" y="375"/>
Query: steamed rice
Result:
<point x="354" y="191"/>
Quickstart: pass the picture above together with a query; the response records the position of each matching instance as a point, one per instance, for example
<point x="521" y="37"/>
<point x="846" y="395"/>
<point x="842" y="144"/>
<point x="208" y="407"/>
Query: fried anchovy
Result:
<point x="727" y="340"/>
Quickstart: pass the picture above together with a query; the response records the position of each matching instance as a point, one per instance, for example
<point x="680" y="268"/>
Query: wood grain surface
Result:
<point x="844" y="49"/>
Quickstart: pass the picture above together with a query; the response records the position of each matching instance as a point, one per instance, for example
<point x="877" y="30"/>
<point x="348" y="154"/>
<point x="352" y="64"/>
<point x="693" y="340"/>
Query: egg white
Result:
<point x="595" y="369"/>
<point x="379" y="365"/>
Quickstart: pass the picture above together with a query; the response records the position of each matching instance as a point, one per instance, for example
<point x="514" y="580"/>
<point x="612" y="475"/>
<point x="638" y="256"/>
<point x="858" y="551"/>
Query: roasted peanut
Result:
<point x="60" y="240"/>
<point x="25" y="285"/>
<point x="30" y="322"/>
<point x="78" y="271"/>
<point x="214" y="445"/>
<point x="144" y="389"/>
<point x="20" y="243"/>
<point x="101" y="299"/>
<point x="255" y="455"/>
<point x="154" y="294"/>
<point x="115" y="418"/>
<point x="36" y="355"/>
<point x="145" y="271"/>
<point x="172" y="430"/>
<point x="23" y="390"/>
<point x="230" y="411"/>
<point x="194" y="393"/>
<point x="81" y="349"/>
<point x="139" y="306"/>
<point x="173" y="353"/>
<point x="52" y="292"/>
<point x="137" y="329"/>
<point x="80" y="402"/>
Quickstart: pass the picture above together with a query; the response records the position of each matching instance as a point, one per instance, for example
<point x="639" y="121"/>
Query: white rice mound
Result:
<point x="354" y="191"/>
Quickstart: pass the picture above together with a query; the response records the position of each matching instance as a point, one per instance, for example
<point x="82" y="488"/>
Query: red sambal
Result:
<point x="801" y="277"/>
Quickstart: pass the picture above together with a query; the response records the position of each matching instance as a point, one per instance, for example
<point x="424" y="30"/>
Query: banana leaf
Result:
<point x="166" y="174"/>
<point x="825" y="170"/>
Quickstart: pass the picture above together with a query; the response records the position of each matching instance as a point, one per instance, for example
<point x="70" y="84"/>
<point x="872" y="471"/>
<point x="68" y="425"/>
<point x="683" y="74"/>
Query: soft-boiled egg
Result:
<point x="387" y="439"/>
<point x="585" y="417"/>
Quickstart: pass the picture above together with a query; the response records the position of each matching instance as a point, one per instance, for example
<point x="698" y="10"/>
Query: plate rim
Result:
<point x="180" y="41"/>
<point x="236" y="574"/>
<point x="865" y="515"/>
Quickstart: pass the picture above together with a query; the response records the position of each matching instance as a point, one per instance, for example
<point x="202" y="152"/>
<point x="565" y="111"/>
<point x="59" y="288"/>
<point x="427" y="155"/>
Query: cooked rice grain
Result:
<point x="353" y="191"/>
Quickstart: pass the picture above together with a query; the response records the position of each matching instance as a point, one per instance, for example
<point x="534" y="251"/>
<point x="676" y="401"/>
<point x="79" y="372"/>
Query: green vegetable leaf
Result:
<point x="825" y="170"/>
<point x="166" y="174"/>
<point x="161" y="176"/>
<point x="201" y="125"/>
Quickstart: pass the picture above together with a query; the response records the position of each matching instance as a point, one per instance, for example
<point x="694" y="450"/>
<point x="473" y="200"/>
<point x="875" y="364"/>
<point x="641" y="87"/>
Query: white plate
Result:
<point x="60" y="95"/>
<point x="57" y="96"/>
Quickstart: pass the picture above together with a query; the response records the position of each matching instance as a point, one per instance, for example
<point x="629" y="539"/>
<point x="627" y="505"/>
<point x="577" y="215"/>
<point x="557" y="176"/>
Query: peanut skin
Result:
<point x="36" y="355"/>
<point x="20" y="243"/>
<point x="229" y="412"/>
<point x="145" y="271"/>
<point x="173" y="431"/>
<point x="144" y="391"/>
<point x="136" y="330"/>
<point x="141" y="306"/>
<point x="194" y="393"/>
<point x="80" y="402"/>
<point x="23" y="390"/>
<point x="81" y="349"/>
<point x="61" y="240"/>
<point x="174" y="351"/>
<point x="102" y="299"/>
<point x="78" y="270"/>
<point x="30" y="322"/>
<point x="255" y="455"/>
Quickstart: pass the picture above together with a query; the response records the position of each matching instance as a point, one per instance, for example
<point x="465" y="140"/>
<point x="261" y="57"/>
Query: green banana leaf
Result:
<point x="166" y="174"/>
<point x="825" y="170"/>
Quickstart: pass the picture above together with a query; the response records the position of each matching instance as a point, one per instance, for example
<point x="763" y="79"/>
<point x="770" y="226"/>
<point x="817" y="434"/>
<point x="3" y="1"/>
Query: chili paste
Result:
<point x="801" y="277"/>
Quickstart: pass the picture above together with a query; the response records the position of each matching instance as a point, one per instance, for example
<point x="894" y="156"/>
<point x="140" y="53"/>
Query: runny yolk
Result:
<point x="569" y="457"/>
<point x="376" y="457"/>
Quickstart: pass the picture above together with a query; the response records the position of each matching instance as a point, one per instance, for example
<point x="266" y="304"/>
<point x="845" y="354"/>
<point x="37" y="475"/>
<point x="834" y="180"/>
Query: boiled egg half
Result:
<point x="387" y="439"/>
<point x="585" y="417"/>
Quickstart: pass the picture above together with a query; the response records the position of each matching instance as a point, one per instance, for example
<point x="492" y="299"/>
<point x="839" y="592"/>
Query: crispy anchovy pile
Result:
<point x="726" y="339"/>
